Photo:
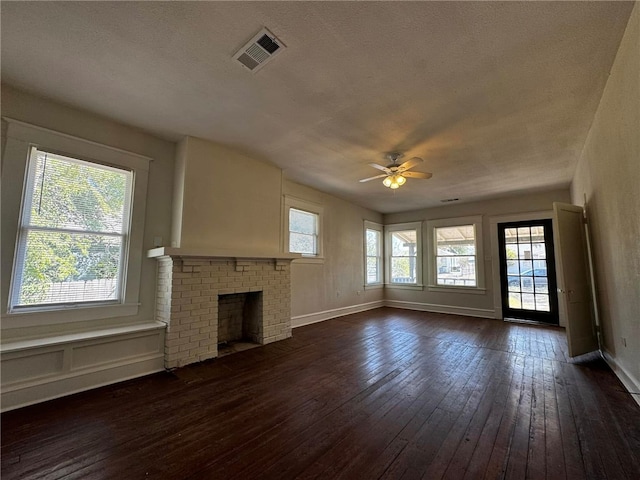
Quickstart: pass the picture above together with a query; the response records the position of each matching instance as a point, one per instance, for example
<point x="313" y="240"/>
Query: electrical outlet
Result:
<point x="358" y="292"/>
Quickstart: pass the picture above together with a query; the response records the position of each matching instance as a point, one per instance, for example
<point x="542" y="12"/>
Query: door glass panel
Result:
<point x="539" y="250"/>
<point x="510" y="235"/>
<point x="513" y="284"/>
<point x="542" y="303"/>
<point x="512" y="267"/>
<point x="537" y="234"/>
<point x="528" y="301"/>
<point x="514" y="300"/>
<point x="526" y="267"/>
<point x="524" y="235"/>
<point x="524" y="251"/>
<point x="541" y="285"/>
<point x="511" y="251"/>
<point x="540" y="268"/>
<point x="526" y="284"/>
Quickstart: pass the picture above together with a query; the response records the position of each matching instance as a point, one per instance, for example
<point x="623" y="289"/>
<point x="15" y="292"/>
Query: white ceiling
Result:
<point x="496" y="97"/>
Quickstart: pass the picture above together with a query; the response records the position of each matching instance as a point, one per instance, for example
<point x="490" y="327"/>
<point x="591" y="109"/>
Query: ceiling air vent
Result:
<point x="448" y="200"/>
<point x="259" y="50"/>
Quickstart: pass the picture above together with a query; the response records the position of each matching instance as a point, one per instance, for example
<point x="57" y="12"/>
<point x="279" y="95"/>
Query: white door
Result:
<point x="573" y="278"/>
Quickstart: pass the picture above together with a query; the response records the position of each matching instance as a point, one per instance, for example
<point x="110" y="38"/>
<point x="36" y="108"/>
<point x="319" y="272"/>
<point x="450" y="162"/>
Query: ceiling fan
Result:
<point x="396" y="175"/>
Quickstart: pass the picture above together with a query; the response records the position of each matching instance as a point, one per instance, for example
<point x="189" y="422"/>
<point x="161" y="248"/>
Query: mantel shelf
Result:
<point x="217" y="253"/>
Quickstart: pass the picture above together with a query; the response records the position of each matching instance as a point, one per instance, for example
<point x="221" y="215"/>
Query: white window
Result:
<point x="456" y="253"/>
<point x="303" y="232"/>
<point x="73" y="232"/>
<point x="78" y="221"/>
<point x="372" y="253"/>
<point x="404" y="255"/>
<point x="303" y="228"/>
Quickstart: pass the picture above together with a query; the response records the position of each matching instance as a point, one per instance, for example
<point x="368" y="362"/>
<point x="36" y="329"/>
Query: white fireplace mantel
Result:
<point x="218" y="253"/>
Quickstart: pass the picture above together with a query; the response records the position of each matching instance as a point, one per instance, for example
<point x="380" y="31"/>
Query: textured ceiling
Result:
<point x="496" y="97"/>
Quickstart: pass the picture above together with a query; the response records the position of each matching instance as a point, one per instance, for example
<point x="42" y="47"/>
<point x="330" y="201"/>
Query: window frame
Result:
<point x="432" y="225"/>
<point x="26" y="226"/>
<point x="388" y="249"/>
<point x="376" y="227"/>
<point x="20" y="138"/>
<point x="308" y="207"/>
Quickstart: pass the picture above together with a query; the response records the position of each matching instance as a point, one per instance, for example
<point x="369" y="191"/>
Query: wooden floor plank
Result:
<point x="387" y="393"/>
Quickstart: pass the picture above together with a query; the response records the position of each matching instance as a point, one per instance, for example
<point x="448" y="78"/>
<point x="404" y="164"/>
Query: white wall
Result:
<point x="487" y="303"/>
<point x="335" y="286"/>
<point x="225" y="199"/>
<point x="608" y="176"/>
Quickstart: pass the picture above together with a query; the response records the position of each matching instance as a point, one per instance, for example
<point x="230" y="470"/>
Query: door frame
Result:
<point x="551" y="317"/>
<point x="494" y="258"/>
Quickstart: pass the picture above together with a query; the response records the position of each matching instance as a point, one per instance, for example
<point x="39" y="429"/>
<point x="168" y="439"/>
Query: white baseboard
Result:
<point x="629" y="381"/>
<point x="432" y="307"/>
<point x="308" y="319"/>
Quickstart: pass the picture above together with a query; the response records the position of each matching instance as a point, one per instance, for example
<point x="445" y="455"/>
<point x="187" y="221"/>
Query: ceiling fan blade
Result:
<point x="410" y="164"/>
<point x="417" y="174"/>
<point x="380" y="167"/>
<point x="373" y="178"/>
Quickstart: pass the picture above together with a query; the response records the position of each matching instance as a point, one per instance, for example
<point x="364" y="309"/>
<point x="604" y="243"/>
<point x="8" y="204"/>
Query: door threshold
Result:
<point x="529" y="322"/>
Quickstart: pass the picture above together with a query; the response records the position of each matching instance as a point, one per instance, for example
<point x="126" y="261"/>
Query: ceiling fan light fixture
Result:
<point x="401" y="180"/>
<point x="387" y="182"/>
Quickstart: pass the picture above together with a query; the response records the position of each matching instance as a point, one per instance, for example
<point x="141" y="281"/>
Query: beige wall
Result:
<point x="45" y="113"/>
<point x="225" y="200"/>
<point x="608" y="176"/>
<point x="483" y="305"/>
<point x="338" y="282"/>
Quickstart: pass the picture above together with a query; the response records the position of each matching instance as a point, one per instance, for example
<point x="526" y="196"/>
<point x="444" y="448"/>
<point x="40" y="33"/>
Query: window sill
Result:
<point x="318" y="260"/>
<point x="374" y="286"/>
<point x="455" y="289"/>
<point x="39" y="317"/>
<point x="404" y="286"/>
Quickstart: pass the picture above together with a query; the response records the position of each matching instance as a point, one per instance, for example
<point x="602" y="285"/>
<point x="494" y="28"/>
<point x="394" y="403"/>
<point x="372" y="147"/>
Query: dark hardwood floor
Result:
<point x="389" y="393"/>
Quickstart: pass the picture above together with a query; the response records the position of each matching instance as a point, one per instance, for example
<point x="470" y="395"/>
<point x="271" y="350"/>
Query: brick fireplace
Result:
<point x="190" y="285"/>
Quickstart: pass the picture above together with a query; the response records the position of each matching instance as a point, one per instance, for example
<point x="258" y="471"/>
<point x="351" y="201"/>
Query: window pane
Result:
<point x="373" y="242"/>
<point x="301" y="243"/>
<point x="459" y="240"/>
<point x="302" y="222"/>
<point x="403" y="270"/>
<point x="456" y="271"/>
<point x="372" y="270"/>
<point x="76" y="195"/>
<point x="404" y="243"/>
<point x="69" y="268"/>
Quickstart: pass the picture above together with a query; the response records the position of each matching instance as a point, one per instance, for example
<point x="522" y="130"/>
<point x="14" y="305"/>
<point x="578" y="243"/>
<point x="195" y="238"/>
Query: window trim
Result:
<point x="305" y="206"/>
<point x="368" y="225"/>
<point x="397" y="227"/>
<point x="476" y="221"/>
<point x="20" y="138"/>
